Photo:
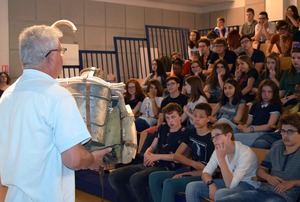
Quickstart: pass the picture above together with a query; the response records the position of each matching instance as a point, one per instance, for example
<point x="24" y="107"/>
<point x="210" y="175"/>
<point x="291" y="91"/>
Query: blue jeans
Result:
<point x="134" y="175"/>
<point x="266" y="141"/>
<point x="164" y="188"/>
<point x="196" y="190"/>
<point x="248" y="138"/>
<point x="254" y="196"/>
<point x="233" y="126"/>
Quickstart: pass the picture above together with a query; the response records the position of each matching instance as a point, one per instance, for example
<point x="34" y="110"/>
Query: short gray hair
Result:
<point x="35" y="42"/>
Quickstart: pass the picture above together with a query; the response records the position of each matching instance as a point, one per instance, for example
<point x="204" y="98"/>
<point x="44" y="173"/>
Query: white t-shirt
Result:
<point x="191" y="105"/>
<point x="271" y="30"/>
<point x="147" y="110"/>
<point x="39" y="121"/>
<point x="243" y="165"/>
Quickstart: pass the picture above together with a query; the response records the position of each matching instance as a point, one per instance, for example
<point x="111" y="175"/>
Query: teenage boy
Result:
<point x="197" y="143"/>
<point x="222" y="52"/>
<point x="175" y="96"/>
<point x="157" y="157"/>
<point x="220" y="29"/>
<point x="264" y="29"/>
<point x="282" y="39"/>
<point x="236" y="161"/>
<point x="280" y="168"/>
<point x="257" y="56"/>
<point x="248" y="28"/>
<point x="205" y="55"/>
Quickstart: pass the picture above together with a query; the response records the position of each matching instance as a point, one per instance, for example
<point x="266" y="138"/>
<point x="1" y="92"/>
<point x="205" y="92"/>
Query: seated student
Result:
<point x="174" y="97"/>
<point x="222" y="52"/>
<point x="205" y="55"/>
<point x="272" y="71"/>
<point x="177" y="66"/>
<point x="263" y="115"/>
<point x="194" y="88"/>
<point x="215" y="81"/>
<point x="246" y="75"/>
<point x="233" y="40"/>
<point x="296" y="108"/>
<point x="264" y="29"/>
<point x="186" y="64"/>
<point x="156" y="158"/>
<point x="280" y="168"/>
<point x="196" y="70"/>
<point x="248" y="28"/>
<point x="231" y="107"/>
<point x="292" y="18"/>
<point x="4" y="82"/>
<point x="193" y="43"/>
<point x="111" y="78"/>
<point x="211" y="36"/>
<point x="267" y="140"/>
<point x="134" y="95"/>
<point x="220" y="29"/>
<point x="257" y="56"/>
<point x="282" y="39"/>
<point x="197" y="143"/>
<point x="158" y="72"/>
<point x="290" y="78"/>
<point x="237" y="163"/>
<point x="150" y="106"/>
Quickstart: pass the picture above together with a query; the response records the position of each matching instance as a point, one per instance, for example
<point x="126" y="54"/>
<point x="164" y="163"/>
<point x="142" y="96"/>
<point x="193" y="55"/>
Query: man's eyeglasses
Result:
<point x="202" y="46"/>
<point x="216" y="136"/>
<point x="61" y="50"/>
<point x="288" y="132"/>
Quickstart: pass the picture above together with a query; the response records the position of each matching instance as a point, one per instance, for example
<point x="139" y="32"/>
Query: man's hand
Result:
<point x="98" y="158"/>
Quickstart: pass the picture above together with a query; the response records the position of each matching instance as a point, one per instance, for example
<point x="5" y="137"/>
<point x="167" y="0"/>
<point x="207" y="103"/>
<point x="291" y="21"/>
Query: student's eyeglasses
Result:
<point x="171" y="84"/>
<point x="282" y="28"/>
<point x="288" y="132"/>
<point x="218" y="45"/>
<point x="245" y="41"/>
<point x="61" y="50"/>
<point x="216" y="136"/>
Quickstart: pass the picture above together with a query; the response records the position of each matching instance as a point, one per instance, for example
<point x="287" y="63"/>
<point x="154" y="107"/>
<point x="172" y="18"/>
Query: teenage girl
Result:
<point x="193" y="42"/>
<point x="158" y="73"/>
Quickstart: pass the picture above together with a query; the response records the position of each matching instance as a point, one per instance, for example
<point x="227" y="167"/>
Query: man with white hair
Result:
<point x="42" y="130"/>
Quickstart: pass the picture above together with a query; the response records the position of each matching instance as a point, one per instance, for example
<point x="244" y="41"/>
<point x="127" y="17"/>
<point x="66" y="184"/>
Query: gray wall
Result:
<point x="99" y="22"/>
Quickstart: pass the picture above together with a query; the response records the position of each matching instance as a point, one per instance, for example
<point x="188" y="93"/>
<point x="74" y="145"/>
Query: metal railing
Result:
<point x="162" y="41"/>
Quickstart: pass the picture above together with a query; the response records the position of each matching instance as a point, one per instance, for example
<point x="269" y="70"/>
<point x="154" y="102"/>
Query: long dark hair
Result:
<point x="295" y="13"/>
<point x="237" y="96"/>
<point x="213" y="77"/>
<point x="193" y="44"/>
<point x="196" y="88"/>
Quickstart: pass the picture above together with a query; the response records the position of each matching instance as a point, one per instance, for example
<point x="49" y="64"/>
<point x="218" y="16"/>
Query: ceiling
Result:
<point x="196" y="3"/>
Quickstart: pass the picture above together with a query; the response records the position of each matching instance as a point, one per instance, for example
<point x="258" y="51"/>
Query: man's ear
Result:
<point x="50" y="61"/>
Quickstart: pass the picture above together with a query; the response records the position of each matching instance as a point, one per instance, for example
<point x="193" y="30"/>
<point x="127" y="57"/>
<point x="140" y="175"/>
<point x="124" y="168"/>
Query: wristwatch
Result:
<point x="209" y="182"/>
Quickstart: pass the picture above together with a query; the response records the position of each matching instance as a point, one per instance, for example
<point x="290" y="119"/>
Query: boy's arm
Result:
<point x="180" y="156"/>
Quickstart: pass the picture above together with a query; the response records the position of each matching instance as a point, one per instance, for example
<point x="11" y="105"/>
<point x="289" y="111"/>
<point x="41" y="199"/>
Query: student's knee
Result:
<point x="221" y="193"/>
